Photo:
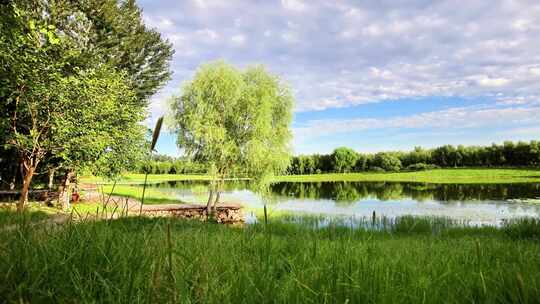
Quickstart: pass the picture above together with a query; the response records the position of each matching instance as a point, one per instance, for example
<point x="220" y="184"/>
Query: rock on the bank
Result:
<point x="225" y="213"/>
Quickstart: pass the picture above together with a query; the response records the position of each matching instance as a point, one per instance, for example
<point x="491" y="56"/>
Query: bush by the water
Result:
<point x="526" y="228"/>
<point x="421" y="167"/>
<point x="377" y="169"/>
<point x="387" y="162"/>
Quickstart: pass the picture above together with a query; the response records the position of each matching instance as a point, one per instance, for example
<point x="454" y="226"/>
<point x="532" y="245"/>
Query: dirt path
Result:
<point x="112" y="201"/>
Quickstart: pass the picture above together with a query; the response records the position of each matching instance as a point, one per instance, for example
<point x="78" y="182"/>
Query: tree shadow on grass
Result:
<point x="11" y="216"/>
<point x="152" y="200"/>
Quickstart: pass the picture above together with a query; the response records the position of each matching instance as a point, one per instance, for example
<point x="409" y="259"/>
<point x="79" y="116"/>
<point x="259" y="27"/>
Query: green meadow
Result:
<point x="288" y="260"/>
<point x="462" y="176"/>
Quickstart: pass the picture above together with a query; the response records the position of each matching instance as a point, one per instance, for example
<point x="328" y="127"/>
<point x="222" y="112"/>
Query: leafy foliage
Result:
<point x="509" y="154"/>
<point x="387" y="162"/>
<point x="236" y="121"/>
<point x="344" y="159"/>
<point x="119" y="37"/>
<point x="100" y="109"/>
<point x="75" y="76"/>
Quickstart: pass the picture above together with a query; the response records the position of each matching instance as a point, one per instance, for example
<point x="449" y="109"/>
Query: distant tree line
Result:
<point x="164" y="164"/>
<point x="343" y="160"/>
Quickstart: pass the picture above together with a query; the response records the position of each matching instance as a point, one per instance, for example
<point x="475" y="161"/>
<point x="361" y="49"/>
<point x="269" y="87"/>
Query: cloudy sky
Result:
<point x="372" y="75"/>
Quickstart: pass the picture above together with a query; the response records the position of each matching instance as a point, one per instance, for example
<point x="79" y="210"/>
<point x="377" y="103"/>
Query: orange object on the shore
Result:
<point x="75" y="197"/>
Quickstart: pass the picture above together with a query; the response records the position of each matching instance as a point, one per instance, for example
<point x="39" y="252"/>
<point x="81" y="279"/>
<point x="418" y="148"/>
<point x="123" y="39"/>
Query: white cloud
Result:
<point x="450" y="119"/>
<point x="294" y="5"/>
<point x="237" y="22"/>
<point x="160" y="23"/>
<point x="347" y="34"/>
<point x="535" y="71"/>
<point x="290" y="37"/>
<point x="176" y="38"/>
<point x="292" y="25"/>
<point x="238" y="39"/>
<point x="492" y="82"/>
<point x="201" y="3"/>
<point x="522" y="24"/>
<point x="373" y="30"/>
<point x="522" y="131"/>
<point x="389" y="49"/>
<point x="378" y="73"/>
<point x="208" y="34"/>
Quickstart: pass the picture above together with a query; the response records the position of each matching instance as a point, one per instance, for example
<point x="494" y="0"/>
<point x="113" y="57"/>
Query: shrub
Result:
<point x="376" y="169"/>
<point x="421" y="167"/>
<point x="387" y="162"/>
<point x="525" y="228"/>
<point x="344" y="159"/>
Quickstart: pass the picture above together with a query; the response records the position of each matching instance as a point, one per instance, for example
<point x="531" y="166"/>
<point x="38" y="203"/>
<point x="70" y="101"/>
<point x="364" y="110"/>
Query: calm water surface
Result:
<point x="478" y="203"/>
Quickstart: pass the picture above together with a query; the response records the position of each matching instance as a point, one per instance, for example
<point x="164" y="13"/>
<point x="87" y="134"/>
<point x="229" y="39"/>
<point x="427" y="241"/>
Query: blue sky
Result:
<point x="371" y="75"/>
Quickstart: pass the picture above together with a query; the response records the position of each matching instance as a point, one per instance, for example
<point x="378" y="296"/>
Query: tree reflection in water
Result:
<point x="350" y="192"/>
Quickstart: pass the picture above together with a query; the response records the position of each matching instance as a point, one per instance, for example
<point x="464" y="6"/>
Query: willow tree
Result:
<point x="344" y="159"/>
<point x="237" y="122"/>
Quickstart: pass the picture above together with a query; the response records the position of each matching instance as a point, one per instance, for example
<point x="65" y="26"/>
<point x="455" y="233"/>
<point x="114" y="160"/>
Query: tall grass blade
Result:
<point x="155" y="135"/>
<point x="265" y="215"/>
<point x="143" y="191"/>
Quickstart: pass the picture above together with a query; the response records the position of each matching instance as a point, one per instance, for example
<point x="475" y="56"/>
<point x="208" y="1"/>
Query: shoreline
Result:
<point x="436" y="176"/>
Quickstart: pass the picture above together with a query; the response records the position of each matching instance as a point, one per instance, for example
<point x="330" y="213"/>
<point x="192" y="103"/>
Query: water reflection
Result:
<point x="476" y="203"/>
<point x="351" y="192"/>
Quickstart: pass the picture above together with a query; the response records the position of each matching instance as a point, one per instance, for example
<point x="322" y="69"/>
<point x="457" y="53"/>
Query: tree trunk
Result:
<point x="27" y="179"/>
<point x="51" y="178"/>
<point x="64" y="194"/>
<point x="216" y="201"/>
<point x="209" y="203"/>
<point x="219" y="189"/>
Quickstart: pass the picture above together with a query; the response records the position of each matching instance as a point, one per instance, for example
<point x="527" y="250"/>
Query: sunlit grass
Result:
<point x="464" y="176"/>
<point x="151" y="196"/>
<point x="137" y="260"/>
<point x="135" y="178"/>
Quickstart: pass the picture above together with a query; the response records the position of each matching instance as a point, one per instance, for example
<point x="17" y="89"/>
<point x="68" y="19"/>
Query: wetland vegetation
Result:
<point x="411" y="260"/>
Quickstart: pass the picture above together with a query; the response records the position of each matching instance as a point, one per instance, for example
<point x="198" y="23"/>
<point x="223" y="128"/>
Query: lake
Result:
<point x="477" y="204"/>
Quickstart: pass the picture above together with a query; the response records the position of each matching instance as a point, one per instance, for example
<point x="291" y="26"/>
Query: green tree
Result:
<point x="27" y="49"/>
<point x="98" y="128"/>
<point x="387" y="161"/>
<point x="344" y="159"/>
<point x="238" y="122"/>
<point x="119" y="37"/>
<point x="77" y="116"/>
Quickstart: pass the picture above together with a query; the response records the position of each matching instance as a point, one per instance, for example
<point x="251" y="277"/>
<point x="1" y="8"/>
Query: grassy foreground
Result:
<point x="447" y="176"/>
<point x="162" y="260"/>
